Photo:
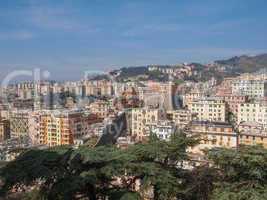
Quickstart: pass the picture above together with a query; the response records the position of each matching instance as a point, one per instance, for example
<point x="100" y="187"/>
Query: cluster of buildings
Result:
<point x="234" y="114"/>
<point x="49" y="114"/>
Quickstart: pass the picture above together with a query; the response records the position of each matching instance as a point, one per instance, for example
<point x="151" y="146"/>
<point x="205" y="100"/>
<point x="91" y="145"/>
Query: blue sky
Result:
<point x="68" y="37"/>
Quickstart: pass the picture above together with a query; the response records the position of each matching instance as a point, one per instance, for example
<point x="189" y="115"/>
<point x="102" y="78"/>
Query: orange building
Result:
<point x="62" y="127"/>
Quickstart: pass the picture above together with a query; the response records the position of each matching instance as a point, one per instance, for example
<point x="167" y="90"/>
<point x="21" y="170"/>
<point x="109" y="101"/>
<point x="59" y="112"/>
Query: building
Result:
<point x="225" y="88"/>
<point x="4" y="129"/>
<point x="212" y="134"/>
<point x="163" y="129"/>
<point x="192" y="96"/>
<point x="19" y="123"/>
<point x="101" y="108"/>
<point x="209" y="109"/>
<point x="26" y="90"/>
<point x="233" y="102"/>
<point x="253" y="112"/>
<point x="158" y="94"/>
<point x="180" y="117"/>
<point x="98" y="88"/>
<point x="250" y="87"/>
<point x="141" y="118"/>
<point x="252" y="134"/>
<point x="63" y="127"/>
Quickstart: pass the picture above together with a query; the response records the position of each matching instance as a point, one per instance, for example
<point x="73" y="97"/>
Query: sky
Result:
<point x="70" y="37"/>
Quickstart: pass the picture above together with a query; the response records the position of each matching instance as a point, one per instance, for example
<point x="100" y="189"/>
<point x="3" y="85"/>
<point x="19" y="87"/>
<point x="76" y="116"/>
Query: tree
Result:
<point x="242" y="173"/>
<point x="100" y="172"/>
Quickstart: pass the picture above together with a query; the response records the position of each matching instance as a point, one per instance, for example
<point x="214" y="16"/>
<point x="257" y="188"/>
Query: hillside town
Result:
<point x="223" y="112"/>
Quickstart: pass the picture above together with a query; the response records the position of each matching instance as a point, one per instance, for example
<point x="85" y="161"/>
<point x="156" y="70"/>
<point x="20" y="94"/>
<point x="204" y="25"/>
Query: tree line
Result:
<point x="156" y="170"/>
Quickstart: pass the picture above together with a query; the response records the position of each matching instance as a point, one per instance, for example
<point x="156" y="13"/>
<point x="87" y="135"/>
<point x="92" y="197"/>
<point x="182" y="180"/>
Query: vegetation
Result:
<point x="245" y="64"/>
<point x="157" y="168"/>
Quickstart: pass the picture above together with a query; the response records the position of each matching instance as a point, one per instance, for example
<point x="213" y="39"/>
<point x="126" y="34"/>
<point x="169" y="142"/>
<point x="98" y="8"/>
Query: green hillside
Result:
<point x="246" y="63"/>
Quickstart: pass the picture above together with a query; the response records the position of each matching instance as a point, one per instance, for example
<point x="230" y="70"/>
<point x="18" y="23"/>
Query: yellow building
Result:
<point x="192" y="96"/>
<point x="141" y="118"/>
<point x="212" y="134"/>
<point x="252" y="112"/>
<point x="209" y="109"/>
<point x="180" y="117"/>
<point x="252" y="134"/>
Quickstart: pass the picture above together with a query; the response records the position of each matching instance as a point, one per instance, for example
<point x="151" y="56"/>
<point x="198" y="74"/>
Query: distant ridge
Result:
<point x="246" y="63"/>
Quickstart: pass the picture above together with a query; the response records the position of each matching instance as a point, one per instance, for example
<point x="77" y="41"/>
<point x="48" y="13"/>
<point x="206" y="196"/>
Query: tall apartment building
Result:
<point x="252" y="112"/>
<point x="251" y="88"/>
<point x="55" y="128"/>
<point x="209" y="109"/>
<point x="4" y="129"/>
<point x="141" y="118"/>
<point x="19" y="123"/>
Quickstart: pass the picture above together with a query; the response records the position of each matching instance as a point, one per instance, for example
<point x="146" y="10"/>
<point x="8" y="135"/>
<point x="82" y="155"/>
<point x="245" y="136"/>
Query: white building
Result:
<point x="163" y="129"/>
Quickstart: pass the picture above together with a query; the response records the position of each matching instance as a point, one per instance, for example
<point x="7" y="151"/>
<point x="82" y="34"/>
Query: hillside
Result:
<point x="246" y="63"/>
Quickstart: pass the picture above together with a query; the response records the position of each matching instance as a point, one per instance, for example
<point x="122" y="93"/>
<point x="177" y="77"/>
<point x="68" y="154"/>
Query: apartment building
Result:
<point x="180" y="118"/>
<point x="212" y="134"/>
<point x="253" y="112"/>
<point x="25" y="90"/>
<point x="192" y="96"/>
<point x="209" y="109"/>
<point x="251" y="133"/>
<point x="141" y="118"/>
<point x="4" y="129"/>
<point x="250" y="87"/>
<point x="62" y="127"/>
<point x="101" y="108"/>
<point x="19" y="123"/>
<point x="233" y="101"/>
<point x="98" y="88"/>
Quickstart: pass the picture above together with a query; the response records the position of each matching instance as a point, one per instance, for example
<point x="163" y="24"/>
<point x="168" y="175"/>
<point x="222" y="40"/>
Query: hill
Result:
<point x="245" y="63"/>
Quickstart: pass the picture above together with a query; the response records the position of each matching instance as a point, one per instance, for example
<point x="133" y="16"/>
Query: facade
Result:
<point x="233" y="102"/>
<point x="192" y="96"/>
<point x="251" y="88"/>
<point x="253" y="112"/>
<point x="141" y="118"/>
<point x="180" y="118"/>
<point x="98" y="88"/>
<point x="61" y="128"/>
<point x="19" y="123"/>
<point x="26" y="90"/>
<point x="4" y="129"/>
<point x="252" y="134"/>
<point x="209" y="109"/>
<point x="101" y="108"/>
<point x="163" y="129"/>
<point x="213" y="134"/>
<point x="157" y="94"/>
